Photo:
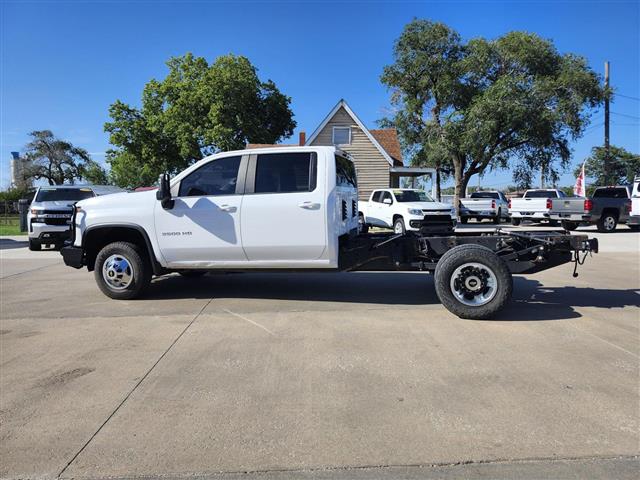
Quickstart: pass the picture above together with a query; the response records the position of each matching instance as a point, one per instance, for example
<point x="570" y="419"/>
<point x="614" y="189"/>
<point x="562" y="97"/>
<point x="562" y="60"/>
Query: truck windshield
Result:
<point x="412" y="196"/>
<point x="63" y="194"/>
<point x="541" y="194"/>
<point x="485" y="195"/>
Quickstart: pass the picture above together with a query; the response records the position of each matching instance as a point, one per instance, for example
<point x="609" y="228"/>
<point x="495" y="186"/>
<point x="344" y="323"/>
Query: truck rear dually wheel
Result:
<point x="121" y="271"/>
<point x="473" y="282"/>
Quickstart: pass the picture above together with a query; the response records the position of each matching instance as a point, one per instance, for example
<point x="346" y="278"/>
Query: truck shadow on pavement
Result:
<point x="9" y="243"/>
<point x="532" y="301"/>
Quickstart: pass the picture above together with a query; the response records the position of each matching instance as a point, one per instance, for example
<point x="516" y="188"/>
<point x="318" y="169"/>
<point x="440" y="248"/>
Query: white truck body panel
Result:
<point x="482" y="207"/>
<point x="634" y="216"/>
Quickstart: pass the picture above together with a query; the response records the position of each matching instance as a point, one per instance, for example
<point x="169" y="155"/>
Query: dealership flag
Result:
<point x="579" y="187"/>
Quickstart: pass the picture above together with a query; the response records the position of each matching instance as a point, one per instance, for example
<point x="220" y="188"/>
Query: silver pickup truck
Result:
<point x="607" y="207"/>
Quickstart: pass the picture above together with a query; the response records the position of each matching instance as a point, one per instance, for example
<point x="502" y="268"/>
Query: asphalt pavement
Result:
<point x="319" y="375"/>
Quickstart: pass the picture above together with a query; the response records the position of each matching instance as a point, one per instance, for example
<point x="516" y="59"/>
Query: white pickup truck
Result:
<point x="534" y="205"/>
<point x="400" y="208"/>
<point x="291" y="209"/>
<point x="634" y="217"/>
<point x="492" y="205"/>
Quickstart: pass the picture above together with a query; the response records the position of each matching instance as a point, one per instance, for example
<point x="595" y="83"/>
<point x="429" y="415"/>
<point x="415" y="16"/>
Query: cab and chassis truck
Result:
<point x="294" y="209"/>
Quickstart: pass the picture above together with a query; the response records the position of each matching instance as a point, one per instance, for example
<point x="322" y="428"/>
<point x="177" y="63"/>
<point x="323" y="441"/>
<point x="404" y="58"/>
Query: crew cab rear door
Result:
<point x="203" y="227"/>
<point x="284" y="208"/>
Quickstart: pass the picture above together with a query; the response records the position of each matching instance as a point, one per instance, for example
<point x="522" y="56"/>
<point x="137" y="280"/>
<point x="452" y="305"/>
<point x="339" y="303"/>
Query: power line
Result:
<point x="626" y="96"/>
<point x="625" y="115"/>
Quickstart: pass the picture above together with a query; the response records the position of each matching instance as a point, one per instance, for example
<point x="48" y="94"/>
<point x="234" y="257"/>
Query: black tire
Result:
<point x="496" y="220"/>
<point x="398" y="226"/>
<point x="553" y="223"/>
<point x="515" y="222"/>
<point x="571" y="226"/>
<point x="192" y="273"/>
<point x="364" y="227"/>
<point x="139" y="270"/>
<point x="473" y="254"/>
<point x="464" y="220"/>
<point x="34" y="245"/>
<point x="607" y="222"/>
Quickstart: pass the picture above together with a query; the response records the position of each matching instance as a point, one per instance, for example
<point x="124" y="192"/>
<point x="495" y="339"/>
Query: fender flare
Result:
<point x="156" y="266"/>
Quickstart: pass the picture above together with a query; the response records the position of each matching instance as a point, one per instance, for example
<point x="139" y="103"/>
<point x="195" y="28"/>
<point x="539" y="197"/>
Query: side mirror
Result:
<point x="164" y="192"/>
<point x="387" y="201"/>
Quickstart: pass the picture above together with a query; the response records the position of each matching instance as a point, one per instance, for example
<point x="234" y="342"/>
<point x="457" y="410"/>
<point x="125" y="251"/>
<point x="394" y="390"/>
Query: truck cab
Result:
<point x="264" y="208"/>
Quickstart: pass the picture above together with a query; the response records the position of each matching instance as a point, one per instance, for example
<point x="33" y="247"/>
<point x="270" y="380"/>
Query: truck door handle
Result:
<point x="309" y="205"/>
<point x="228" y="208"/>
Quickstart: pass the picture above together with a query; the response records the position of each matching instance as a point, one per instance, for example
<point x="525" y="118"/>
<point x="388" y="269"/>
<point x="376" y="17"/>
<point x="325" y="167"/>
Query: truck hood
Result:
<point x="427" y="205"/>
<point x="62" y="205"/>
<point x="132" y="199"/>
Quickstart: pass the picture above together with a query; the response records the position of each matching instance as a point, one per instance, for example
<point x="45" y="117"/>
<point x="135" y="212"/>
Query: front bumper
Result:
<point x="49" y="233"/>
<point x="72" y="256"/>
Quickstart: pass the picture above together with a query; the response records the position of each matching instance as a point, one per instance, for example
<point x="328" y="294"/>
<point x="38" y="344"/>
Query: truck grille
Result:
<point x="354" y="208"/>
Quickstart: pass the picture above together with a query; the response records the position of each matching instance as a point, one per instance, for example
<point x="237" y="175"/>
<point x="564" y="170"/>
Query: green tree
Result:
<point x="489" y="104"/>
<point x="94" y="173"/>
<point x="198" y="109"/>
<point x="623" y="166"/>
<point x="53" y="159"/>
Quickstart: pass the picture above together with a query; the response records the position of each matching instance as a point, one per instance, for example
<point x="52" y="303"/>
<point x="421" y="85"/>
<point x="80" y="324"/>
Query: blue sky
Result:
<point x="64" y="63"/>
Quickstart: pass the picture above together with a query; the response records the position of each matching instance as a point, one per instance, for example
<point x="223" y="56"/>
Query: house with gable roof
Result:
<point x="376" y="153"/>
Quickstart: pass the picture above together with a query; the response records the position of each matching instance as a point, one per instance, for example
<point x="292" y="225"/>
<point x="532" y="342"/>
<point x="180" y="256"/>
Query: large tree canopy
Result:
<point x="198" y="109"/>
<point x="623" y="166"/>
<point x="56" y="160"/>
<point x="511" y="102"/>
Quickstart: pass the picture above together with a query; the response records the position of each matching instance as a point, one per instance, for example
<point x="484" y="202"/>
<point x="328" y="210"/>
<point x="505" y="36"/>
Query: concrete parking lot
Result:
<point x="360" y="375"/>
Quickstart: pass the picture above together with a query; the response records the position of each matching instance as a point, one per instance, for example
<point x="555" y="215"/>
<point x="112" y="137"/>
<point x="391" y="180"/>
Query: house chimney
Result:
<point x="303" y="138"/>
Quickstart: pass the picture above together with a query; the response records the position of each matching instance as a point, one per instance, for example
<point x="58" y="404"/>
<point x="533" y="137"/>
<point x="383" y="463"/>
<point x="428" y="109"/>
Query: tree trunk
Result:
<point x="438" y="188"/>
<point x="460" y="184"/>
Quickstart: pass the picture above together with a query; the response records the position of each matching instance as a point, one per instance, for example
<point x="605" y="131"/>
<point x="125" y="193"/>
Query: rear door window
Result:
<point x="377" y="196"/>
<point x="285" y="172"/>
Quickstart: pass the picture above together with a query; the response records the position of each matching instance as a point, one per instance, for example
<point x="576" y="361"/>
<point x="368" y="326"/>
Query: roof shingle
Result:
<point x="388" y="139"/>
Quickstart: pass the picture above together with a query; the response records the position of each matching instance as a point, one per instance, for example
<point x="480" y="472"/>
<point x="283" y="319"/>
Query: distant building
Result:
<point x="19" y="166"/>
<point x="376" y="153"/>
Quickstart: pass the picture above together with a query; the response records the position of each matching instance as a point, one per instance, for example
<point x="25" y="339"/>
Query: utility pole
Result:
<point x="607" y="156"/>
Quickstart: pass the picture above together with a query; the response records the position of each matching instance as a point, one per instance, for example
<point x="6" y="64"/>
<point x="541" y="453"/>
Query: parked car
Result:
<point x="607" y="207"/>
<point x="50" y="211"/>
<point x="292" y="209"/>
<point x="491" y="205"/>
<point x="534" y="205"/>
<point x="634" y="217"/>
<point x="399" y="208"/>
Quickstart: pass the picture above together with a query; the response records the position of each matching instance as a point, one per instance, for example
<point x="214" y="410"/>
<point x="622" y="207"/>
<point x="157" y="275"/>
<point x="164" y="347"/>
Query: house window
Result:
<point x="341" y="135"/>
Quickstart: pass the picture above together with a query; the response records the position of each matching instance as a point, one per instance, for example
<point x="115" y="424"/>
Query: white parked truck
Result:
<point x="400" y="208"/>
<point x="292" y="209"/>
<point x="534" y="205"/>
<point x="491" y="205"/>
<point x="634" y="217"/>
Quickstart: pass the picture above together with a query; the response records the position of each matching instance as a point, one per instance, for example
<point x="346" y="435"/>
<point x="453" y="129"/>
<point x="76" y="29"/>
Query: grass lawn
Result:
<point x="10" y="226"/>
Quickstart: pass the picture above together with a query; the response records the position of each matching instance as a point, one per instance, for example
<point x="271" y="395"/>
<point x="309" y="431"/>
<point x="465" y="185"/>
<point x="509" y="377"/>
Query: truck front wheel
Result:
<point x="121" y="271"/>
<point x="515" y="221"/>
<point x="398" y="225"/>
<point x="34" y="245"/>
<point x="473" y="282"/>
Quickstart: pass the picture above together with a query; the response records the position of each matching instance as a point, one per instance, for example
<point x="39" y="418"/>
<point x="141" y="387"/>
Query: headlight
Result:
<point x="414" y="211"/>
<point x="36" y="211"/>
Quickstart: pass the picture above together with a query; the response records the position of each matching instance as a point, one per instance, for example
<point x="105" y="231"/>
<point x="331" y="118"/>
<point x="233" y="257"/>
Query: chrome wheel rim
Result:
<point x="397" y="228"/>
<point x="117" y="272"/>
<point x="609" y="223"/>
<point x="473" y="284"/>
